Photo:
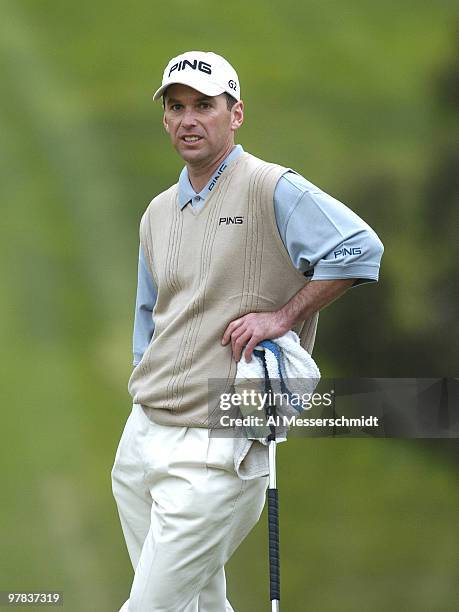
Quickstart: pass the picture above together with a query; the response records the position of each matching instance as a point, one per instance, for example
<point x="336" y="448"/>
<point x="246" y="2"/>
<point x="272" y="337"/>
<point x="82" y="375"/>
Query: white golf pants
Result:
<point x="183" y="511"/>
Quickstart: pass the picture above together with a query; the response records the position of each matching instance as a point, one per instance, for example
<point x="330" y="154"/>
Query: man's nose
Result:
<point x="189" y="117"/>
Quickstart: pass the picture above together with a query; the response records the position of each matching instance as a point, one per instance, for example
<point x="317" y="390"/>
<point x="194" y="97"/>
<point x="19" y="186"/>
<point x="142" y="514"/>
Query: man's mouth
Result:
<point x="191" y="138"/>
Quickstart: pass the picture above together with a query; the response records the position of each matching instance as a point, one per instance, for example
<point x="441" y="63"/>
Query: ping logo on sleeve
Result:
<point x="345" y="251"/>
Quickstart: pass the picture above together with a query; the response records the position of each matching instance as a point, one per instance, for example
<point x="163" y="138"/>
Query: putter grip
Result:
<point x="273" y="531"/>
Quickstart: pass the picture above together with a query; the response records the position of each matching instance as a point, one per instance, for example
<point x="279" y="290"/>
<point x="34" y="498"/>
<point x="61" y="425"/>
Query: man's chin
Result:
<point x="191" y="155"/>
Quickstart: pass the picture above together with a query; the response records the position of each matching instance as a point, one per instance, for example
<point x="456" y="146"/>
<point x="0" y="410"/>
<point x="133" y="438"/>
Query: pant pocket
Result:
<point x="220" y="453"/>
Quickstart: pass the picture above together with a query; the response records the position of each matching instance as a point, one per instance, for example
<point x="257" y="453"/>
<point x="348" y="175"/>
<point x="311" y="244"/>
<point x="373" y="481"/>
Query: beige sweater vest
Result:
<point x="210" y="266"/>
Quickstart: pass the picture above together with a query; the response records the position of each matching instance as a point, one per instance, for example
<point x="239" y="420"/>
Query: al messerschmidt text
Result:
<point x="294" y="420"/>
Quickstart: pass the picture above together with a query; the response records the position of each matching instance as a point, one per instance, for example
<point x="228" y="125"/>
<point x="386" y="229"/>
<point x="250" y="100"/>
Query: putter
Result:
<point x="273" y="504"/>
<point x="273" y="529"/>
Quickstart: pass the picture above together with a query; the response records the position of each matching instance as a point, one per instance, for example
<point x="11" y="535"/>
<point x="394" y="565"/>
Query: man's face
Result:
<point x="201" y="127"/>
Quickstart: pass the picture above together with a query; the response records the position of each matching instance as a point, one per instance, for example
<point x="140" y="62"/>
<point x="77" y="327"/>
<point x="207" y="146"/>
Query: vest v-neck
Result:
<point x="223" y="179"/>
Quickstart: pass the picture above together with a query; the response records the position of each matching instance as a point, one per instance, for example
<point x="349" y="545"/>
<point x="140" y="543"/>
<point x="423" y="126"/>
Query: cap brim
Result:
<point x="208" y="89"/>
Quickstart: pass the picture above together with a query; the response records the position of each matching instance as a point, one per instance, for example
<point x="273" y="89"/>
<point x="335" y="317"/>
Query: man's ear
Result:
<point x="166" y="127"/>
<point x="237" y="115"/>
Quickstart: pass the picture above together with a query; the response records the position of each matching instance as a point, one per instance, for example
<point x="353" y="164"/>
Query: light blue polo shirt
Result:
<point x="325" y="240"/>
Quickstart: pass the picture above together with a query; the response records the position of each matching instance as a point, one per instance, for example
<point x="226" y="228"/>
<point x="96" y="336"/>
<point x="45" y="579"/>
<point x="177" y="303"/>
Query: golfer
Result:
<point x="237" y="251"/>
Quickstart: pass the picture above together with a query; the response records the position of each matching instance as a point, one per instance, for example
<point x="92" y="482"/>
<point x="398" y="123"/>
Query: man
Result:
<point x="239" y="250"/>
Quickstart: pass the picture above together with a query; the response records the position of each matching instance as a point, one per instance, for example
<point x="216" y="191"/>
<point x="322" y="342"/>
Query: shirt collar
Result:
<point x="186" y="191"/>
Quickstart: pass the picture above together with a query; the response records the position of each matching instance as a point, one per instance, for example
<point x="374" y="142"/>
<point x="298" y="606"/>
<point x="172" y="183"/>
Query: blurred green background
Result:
<point x="361" y="98"/>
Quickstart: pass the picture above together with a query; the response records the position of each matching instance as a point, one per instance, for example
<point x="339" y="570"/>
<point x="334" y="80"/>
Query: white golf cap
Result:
<point x="204" y="71"/>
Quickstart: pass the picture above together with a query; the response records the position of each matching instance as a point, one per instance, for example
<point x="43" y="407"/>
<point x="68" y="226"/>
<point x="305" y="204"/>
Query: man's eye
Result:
<point x="204" y="105"/>
<point x="175" y="107"/>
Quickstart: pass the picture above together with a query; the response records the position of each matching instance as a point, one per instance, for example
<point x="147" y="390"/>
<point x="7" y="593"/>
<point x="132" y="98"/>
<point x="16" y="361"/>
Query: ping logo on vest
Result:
<point x="231" y="220"/>
<point x="194" y="65"/>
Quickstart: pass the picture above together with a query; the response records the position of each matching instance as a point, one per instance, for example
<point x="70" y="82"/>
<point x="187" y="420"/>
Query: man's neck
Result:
<point x="199" y="176"/>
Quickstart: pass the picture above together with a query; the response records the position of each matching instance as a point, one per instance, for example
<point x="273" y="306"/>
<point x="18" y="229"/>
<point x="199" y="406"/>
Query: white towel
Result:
<point x="295" y="366"/>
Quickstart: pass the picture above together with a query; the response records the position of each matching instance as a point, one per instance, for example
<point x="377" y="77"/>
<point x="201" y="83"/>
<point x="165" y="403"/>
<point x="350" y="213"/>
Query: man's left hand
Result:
<point x="251" y="329"/>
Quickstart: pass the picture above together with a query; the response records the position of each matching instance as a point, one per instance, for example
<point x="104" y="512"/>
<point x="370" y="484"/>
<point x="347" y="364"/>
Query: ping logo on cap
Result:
<point x="194" y="65"/>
